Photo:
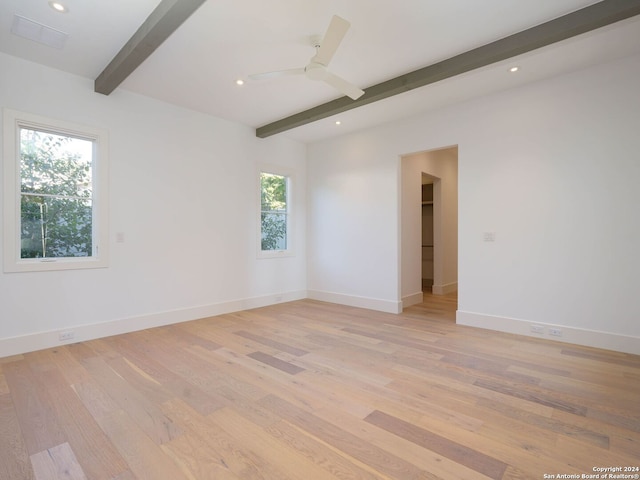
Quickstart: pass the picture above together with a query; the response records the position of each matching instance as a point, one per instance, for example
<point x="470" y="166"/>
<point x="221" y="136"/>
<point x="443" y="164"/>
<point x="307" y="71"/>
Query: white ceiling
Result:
<point x="229" y="39"/>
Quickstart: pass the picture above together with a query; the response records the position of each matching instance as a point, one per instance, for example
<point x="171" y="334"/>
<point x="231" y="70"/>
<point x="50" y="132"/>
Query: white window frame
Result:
<point x="290" y="175"/>
<point x="13" y="121"/>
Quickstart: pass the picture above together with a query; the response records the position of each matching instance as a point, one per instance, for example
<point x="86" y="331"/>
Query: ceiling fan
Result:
<point x="317" y="67"/>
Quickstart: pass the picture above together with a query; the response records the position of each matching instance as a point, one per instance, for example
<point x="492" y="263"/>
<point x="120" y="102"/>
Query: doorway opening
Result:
<point x="429" y="226"/>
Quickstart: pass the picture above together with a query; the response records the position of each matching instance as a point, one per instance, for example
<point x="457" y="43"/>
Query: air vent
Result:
<point x="23" y="27"/>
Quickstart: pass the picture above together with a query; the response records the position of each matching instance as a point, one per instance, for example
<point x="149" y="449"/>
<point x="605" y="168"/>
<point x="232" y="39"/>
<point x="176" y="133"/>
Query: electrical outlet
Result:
<point x="66" y="336"/>
<point x="555" y="332"/>
<point x="537" y="329"/>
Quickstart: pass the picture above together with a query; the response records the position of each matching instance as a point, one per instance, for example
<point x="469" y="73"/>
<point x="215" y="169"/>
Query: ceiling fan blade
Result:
<point x="343" y="86"/>
<point x="332" y="38"/>
<point x="276" y="74"/>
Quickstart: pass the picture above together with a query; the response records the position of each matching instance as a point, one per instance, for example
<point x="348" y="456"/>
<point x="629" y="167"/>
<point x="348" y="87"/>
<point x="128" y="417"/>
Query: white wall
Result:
<point x="443" y="164"/>
<point x="183" y="190"/>
<point x="552" y="168"/>
<point x="351" y="214"/>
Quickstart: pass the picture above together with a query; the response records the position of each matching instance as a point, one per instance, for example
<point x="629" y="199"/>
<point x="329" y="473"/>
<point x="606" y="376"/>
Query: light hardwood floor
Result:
<point x="310" y="390"/>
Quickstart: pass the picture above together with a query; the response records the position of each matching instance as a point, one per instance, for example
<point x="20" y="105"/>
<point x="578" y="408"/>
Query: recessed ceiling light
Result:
<point x="514" y="69"/>
<point x="239" y="82"/>
<point x="58" y="7"/>
<point x="338" y="122"/>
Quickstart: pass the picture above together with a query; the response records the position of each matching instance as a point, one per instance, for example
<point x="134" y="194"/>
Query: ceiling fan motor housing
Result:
<point x="315" y="71"/>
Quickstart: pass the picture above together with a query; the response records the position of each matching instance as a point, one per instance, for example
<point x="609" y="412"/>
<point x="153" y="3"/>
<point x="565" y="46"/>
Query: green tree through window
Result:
<point x="274" y="211"/>
<point x="56" y="214"/>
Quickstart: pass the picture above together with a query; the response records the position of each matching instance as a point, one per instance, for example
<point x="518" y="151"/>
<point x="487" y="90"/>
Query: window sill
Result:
<point x="54" y="264"/>
<point x="275" y="254"/>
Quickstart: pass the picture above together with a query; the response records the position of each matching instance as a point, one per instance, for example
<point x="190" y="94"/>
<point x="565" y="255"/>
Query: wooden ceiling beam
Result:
<point x="162" y="22"/>
<point x="581" y="21"/>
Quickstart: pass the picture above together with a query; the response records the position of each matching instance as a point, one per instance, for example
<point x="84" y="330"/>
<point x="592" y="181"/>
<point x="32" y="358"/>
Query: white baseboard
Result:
<point x="577" y="336"/>
<point x="444" y="289"/>
<point x="41" y="340"/>
<point x="388" y="306"/>
<point x="413" y="299"/>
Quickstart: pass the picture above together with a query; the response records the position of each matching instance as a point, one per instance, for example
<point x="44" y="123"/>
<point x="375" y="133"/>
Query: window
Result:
<point x="274" y="214"/>
<point x="55" y="195"/>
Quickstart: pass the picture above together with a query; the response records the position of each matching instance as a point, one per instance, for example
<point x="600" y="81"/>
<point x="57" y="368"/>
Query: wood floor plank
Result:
<point x="14" y="459"/>
<point x="95" y="400"/>
<point x="482" y="429"/>
<point x="321" y="454"/>
<point x="161" y="376"/>
<point x="617" y="418"/>
<point x="349" y="370"/>
<point x="533" y="395"/>
<point x="549" y="423"/>
<point x="342" y="440"/>
<point x="98" y="458"/>
<point x="259" y="441"/>
<point x="181" y="334"/>
<point x="616" y="358"/>
<point x="197" y="459"/>
<point x="185" y="363"/>
<point x="582" y="455"/>
<point x="57" y="463"/>
<point x="327" y="336"/>
<point x="144" y="412"/>
<point x="461" y="454"/>
<point x="11" y="358"/>
<point x="305" y="389"/>
<point x="243" y="375"/>
<point x="81" y="351"/>
<point x="222" y="448"/>
<point x="128" y="475"/>
<point x="298" y="352"/>
<point x="40" y="426"/>
<point x="438" y="384"/>
<point x="392" y="338"/>
<point x="220" y="336"/>
<point x="243" y="383"/>
<point x="144" y="456"/>
<point x="276" y="363"/>
<point x="430" y="465"/>
<point x="146" y="385"/>
<point x="578" y="384"/>
<point x="62" y="360"/>
<point x="621" y="439"/>
<point x="4" y="388"/>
